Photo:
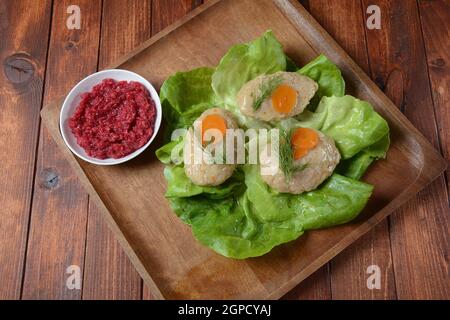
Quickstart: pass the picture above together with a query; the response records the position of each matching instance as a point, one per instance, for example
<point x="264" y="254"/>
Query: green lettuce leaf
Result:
<point x="185" y="95"/>
<point x="356" y="166"/>
<point x="172" y="152"/>
<point x="250" y="224"/>
<point x="237" y="234"/>
<point x="243" y="62"/>
<point x="179" y="185"/>
<point x="339" y="200"/>
<point x="290" y="65"/>
<point x="352" y="123"/>
<point x="327" y="75"/>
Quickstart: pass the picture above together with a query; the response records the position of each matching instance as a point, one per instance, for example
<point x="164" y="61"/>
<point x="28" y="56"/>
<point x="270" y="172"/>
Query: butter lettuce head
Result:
<point x="244" y="217"/>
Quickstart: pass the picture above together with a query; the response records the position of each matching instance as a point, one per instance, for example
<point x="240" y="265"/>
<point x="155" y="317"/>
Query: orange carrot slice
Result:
<point x="213" y="121"/>
<point x="284" y="98"/>
<point x="303" y="140"/>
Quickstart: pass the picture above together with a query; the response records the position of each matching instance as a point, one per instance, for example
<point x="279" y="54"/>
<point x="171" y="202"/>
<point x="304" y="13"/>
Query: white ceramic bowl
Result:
<point x="74" y="98"/>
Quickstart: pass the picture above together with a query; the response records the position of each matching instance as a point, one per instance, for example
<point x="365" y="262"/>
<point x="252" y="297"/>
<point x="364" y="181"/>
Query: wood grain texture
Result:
<point x="24" y="29"/>
<point x="108" y="272"/>
<point x="59" y="210"/>
<point x="316" y="287"/>
<point x="162" y="247"/>
<point x="419" y="230"/>
<point x="435" y="19"/>
<point x="348" y="270"/>
<point x="166" y="12"/>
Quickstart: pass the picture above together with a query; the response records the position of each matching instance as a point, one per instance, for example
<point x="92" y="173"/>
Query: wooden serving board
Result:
<point x="131" y="196"/>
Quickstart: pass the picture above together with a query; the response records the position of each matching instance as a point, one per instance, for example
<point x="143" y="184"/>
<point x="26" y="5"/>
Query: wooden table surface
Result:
<point x="48" y="222"/>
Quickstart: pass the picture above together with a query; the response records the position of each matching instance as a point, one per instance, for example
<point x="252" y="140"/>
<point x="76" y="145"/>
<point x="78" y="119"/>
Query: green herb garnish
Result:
<point x="286" y="156"/>
<point x="266" y="90"/>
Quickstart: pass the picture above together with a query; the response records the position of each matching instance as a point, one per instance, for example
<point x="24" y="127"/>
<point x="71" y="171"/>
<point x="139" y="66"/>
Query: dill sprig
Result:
<point x="286" y="156"/>
<point x="266" y="89"/>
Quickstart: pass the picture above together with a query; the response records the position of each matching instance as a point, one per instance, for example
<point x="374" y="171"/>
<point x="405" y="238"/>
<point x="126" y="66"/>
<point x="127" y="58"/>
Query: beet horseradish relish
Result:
<point x="114" y="119"/>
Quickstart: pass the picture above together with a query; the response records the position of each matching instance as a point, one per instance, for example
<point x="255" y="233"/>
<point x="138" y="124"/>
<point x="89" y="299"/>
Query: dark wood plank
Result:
<point x="164" y="13"/>
<point x="348" y="270"/>
<point x="419" y="230"/>
<point x="125" y="25"/>
<point x="109" y="273"/>
<point x="315" y="287"/>
<point x="59" y="211"/>
<point x="24" y="28"/>
<point x="435" y="18"/>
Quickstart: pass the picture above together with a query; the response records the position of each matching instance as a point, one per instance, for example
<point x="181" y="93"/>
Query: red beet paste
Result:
<point x="114" y="119"/>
